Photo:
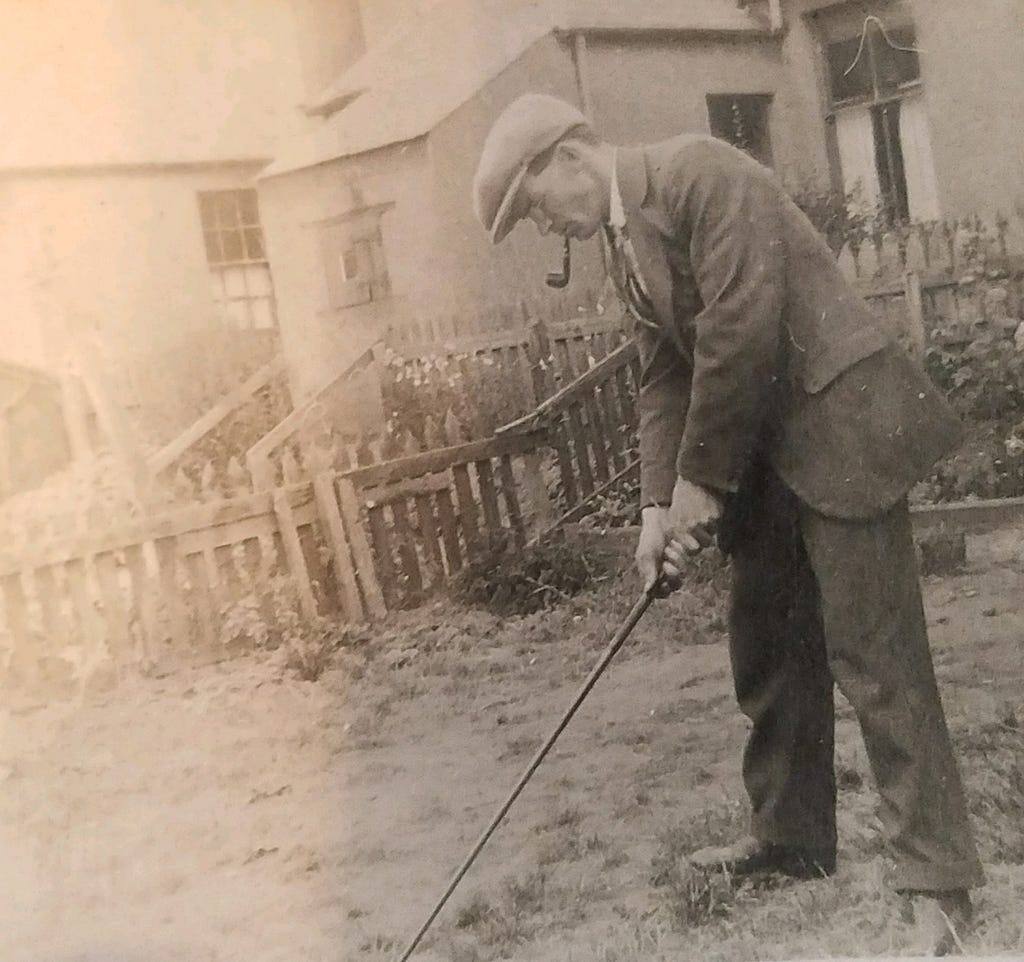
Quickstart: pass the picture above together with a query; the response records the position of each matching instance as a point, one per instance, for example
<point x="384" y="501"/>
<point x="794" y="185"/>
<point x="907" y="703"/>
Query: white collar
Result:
<point x="616" y="212"/>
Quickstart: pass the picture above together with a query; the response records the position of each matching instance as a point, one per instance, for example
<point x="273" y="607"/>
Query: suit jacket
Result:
<point x="759" y="347"/>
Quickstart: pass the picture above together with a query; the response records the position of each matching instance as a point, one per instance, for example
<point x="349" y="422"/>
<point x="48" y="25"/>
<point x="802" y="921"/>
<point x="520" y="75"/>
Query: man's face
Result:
<point x="566" y="197"/>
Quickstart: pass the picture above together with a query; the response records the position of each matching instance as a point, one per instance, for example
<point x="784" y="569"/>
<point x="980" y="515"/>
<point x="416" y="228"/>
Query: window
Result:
<point x="742" y="120"/>
<point x="235" y="252"/>
<point x="880" y="124"/>
<point x="353" y="251"/>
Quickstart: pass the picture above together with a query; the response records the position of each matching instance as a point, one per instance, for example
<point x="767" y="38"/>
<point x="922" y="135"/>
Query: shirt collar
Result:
<point x="616" y="212"/>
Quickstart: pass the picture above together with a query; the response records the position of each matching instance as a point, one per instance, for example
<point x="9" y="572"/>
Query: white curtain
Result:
<point x="856" y="141"/>
<point x="922" y="187"/>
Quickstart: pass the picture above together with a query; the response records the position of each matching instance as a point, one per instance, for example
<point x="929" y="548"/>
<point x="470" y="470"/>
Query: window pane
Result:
<point x="257" y="279"/>
<point x="232" y="243"/>
<point x="248" y="207"/>
<point x="262" y="313"/>
<point x="254" y="244"/>
<point x="238" y="313"/>
<point x="217" y="286"/>
<point x="213" y="252"/>
<point x="895" y="66"/>
<point x="889" y="160"/>
<point x="227" y="208"/>
<point x="849" y="82"/>
<point x="207" y="210"/>
<point x="234" y="282"/>
<point x="350" y="264"/>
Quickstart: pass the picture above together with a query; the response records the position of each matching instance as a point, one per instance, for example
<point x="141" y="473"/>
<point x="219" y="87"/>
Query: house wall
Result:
<point x="973" y="87"/>
<point x="464" y="272"/>
<point x="318" y="340"/>
<point x="972" y="64"/>
<point x="118" y="253"/>
<point x="647" y="89"/>
<point x="118" y="112"/>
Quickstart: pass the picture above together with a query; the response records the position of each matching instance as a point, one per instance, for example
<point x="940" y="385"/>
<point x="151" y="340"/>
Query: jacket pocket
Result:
<point x="829" y="362"/>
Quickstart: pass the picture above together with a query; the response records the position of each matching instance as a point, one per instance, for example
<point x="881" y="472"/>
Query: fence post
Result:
<point x="915" y="315"/>
<point x="540" y="361"/>
<point x="362" y="554"/>
<point x="293" y="553"/>
<point x="344" y="572"/>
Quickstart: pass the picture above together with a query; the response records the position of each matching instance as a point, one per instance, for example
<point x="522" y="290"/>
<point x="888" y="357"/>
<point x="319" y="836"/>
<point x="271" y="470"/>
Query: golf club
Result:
<point x="602" y="663"/>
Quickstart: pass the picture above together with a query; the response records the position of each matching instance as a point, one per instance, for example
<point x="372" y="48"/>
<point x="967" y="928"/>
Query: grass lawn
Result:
<point x="237" y="812"/>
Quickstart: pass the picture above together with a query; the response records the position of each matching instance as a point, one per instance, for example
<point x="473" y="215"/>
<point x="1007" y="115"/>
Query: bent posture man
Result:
<point x="772" y="407"/>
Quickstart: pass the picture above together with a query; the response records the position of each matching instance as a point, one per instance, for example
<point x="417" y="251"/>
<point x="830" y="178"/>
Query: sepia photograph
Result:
<point x="534" y="480"/>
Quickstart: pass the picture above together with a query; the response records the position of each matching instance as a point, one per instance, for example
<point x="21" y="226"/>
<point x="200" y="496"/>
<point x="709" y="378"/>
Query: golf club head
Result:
<point x="560" y="280"/>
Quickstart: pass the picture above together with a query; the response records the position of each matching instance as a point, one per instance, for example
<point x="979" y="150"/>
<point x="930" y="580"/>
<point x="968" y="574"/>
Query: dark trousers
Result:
<point x="817" y="601"/>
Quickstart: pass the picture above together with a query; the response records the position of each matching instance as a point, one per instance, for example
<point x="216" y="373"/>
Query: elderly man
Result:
<point x="774" y="410"/>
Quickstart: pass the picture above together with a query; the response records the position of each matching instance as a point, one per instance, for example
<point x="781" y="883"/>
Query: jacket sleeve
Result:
<point x="661" y="403"/>
<point x="730" y="215"/>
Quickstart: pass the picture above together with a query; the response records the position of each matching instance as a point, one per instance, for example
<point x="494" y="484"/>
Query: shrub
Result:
<point x="510" y="579"/>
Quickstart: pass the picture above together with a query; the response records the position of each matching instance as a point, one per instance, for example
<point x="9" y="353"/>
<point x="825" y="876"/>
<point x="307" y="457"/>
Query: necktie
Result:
<point x="629" y="280"/>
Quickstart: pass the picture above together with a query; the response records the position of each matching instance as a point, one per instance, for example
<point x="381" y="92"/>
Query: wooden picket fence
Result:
<point x="434" y="392"/>
<point x="356" y="527"/>
<point x="352" y="545"/>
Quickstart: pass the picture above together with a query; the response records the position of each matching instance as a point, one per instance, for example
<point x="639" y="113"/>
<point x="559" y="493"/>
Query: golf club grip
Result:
<point x="609" y="653"/>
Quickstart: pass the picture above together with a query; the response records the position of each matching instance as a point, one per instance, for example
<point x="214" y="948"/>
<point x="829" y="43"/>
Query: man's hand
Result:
<point x="694" y="515"/>
<point x="659" y="556"/>
<point x="669" y="534"/>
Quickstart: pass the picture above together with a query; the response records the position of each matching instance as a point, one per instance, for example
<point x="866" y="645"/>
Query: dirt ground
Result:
<point x="235" y="812"/>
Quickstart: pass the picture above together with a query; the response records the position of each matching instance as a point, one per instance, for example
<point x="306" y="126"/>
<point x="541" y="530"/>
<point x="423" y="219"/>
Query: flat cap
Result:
<point x="524" y="130"/>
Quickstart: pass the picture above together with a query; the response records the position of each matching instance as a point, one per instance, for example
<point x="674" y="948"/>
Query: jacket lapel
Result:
<point x="648" y="242"/>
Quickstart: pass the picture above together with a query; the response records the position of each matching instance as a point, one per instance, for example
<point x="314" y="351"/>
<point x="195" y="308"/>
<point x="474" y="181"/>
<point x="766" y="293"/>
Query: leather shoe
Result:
<point x="941" y="920"/>
<point x="750" y="857"/>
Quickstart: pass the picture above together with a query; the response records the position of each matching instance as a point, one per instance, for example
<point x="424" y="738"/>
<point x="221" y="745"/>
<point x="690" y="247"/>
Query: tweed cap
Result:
<point x="524" y="130"/>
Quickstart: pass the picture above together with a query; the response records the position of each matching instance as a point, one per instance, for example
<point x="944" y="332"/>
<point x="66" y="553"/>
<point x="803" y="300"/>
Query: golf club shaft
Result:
<point x="609" y="653"/>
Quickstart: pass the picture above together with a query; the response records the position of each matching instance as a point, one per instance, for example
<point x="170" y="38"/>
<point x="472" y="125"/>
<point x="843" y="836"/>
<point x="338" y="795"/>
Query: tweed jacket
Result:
<point x="760" y="347"/>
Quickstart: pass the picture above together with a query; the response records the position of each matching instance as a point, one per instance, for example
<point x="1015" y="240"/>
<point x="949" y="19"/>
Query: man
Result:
<point x="773" y="409"/>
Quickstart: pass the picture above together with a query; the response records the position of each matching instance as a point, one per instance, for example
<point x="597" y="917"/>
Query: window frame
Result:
<point x="245" y="221"/>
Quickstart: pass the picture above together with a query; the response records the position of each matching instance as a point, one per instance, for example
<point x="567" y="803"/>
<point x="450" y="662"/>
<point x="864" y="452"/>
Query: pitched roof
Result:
<point x="447" y="50"/>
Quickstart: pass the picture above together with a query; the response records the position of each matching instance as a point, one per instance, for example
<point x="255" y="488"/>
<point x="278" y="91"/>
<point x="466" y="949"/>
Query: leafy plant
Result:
<point x="269" y="618"/>
<point x="510" y="579"/>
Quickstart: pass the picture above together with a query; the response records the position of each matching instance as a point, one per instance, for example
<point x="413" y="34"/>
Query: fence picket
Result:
<point x="362" y="556"/>
<point x="468" y="511"/>
<point x="579" y="448"/>
<point x="385" y="563"/>
<point x="596" y="435"/>
<point x="488" y="494"/>
<point x="344" y="572"/>
<point x="16" y="613"/>
<point x="613" y="423"/>
<point x="434" y="566"/>
<point x="449" y="531"/>
<point x="294" y="556"/>
<point x="144" y="607"/>
<point x="405" y="537"/>
<point x="170" y="593"/>
<point x="115" y="611"/>
<point x="48" y="597"/>
<point x="201" y="598"/>
<point x="508" y="489"/>
<point x="90" y="630"/>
